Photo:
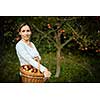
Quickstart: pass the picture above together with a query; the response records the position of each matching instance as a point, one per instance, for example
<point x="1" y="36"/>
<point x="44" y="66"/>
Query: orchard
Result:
<point x="69" y="47"/>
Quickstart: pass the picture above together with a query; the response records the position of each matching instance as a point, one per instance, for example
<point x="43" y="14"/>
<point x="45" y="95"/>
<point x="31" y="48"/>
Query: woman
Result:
<point x="26" y="50"/>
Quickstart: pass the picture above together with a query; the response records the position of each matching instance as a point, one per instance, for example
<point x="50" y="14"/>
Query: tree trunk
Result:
<point x="58" y="62"/>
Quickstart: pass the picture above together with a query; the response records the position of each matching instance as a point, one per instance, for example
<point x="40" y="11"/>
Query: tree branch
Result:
<point x="67" y="41"/>
<point x="75" y="33"/>
<point x="44" y="34"/>
<point x="37" y="29"/>
<point x="52" y="41"/>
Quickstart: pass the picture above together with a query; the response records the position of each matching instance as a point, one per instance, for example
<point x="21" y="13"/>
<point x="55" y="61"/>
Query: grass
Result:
<point x="74" y="67"/>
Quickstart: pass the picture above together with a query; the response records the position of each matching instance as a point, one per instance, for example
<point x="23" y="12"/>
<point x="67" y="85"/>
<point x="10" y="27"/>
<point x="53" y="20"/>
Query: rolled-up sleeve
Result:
<point x="22" y="54"/>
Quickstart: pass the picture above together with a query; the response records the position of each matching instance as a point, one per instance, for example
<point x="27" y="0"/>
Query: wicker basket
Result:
<point x="32" y="77"/>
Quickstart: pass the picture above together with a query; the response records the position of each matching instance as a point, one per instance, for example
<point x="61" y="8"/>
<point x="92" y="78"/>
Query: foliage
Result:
<point x="85" y="41"/>
<point x="9" y="68"/>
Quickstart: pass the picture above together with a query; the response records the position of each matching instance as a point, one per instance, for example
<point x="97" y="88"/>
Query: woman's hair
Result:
<point x="23" y="24"/>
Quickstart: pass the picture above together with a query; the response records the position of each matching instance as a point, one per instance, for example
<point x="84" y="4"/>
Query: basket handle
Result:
<point x="38" y="69"/>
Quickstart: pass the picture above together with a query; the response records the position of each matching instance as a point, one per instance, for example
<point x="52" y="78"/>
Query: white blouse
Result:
<point x="26" y="55"/>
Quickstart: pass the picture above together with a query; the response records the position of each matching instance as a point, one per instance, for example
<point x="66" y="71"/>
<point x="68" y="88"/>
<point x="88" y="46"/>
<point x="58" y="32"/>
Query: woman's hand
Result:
<point x="47" y="73"/>
<point x="36" y="58"/>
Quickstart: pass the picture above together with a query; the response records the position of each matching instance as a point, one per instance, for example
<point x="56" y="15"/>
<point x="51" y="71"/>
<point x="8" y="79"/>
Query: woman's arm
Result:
<point x="36" y="52"/>
<point x="24" y="55"/>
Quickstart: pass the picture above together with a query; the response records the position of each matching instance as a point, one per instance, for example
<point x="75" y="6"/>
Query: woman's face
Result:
<point x="25" y="32"/>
